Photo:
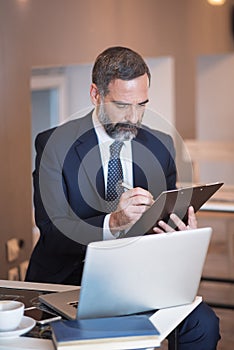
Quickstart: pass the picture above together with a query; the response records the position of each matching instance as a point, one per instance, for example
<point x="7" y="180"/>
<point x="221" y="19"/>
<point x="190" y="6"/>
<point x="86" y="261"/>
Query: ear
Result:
<point x="94" y="94"/>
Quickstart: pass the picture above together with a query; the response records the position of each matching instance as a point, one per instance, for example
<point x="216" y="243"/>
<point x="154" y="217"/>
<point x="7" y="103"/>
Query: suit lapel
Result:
<point x="147" y="171"/>
<point x="87" y="150"/>
<point x="138" y="157"/>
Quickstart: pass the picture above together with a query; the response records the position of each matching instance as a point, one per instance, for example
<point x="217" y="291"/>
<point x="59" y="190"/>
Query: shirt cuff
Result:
<point x="107" y="234"/>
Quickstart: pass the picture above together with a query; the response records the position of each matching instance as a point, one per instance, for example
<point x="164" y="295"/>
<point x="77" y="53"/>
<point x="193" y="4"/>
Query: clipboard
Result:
<point x="174" y="201"/>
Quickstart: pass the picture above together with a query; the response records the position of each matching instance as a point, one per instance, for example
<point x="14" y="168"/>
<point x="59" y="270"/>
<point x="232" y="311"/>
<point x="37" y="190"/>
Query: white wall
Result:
<point x="162" y="90"/>
<point x="78" y="80"/>
<point x="215" y="109"/>
<point x="215" y="97"/>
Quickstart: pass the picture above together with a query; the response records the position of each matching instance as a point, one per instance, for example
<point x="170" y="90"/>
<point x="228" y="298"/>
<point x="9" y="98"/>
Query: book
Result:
<point x="112" y="333"/>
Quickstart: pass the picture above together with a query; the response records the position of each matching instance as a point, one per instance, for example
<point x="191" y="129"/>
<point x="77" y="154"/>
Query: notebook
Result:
<point x="136" y="274"/>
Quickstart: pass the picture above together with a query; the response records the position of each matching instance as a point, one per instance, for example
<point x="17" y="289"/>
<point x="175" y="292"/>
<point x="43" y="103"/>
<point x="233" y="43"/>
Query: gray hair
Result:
<point x="117" y="63"/>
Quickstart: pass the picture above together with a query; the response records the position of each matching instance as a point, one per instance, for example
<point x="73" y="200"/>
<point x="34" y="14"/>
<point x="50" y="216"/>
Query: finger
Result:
<point x="157" y="230"/>
<point x="142" y="200"/>
<point x="192" y="220"/>
<point x="135" y="199"/>
<point x="165" y="227"/>
<point x="178" y="222"/>
<point x="143" y="192"/>
<point x="138" y="191"/>
<point x="136" y="209"/>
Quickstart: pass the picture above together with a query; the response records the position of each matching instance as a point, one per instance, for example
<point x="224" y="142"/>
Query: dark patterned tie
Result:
<point x="114" y="177"/>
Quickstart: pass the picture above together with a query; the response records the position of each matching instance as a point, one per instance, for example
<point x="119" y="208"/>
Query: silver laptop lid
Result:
<point x="137" y="274"/>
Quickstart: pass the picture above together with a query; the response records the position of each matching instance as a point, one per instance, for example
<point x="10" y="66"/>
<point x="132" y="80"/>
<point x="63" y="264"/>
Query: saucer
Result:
<point x="26" y="324"/>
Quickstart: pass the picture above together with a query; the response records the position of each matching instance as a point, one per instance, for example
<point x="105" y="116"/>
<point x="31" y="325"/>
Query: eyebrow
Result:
<point x="128" y="104"/>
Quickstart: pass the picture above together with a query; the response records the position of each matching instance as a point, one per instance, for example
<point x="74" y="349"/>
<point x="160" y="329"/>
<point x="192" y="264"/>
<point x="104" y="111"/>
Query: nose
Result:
<point x="134" y="114"/>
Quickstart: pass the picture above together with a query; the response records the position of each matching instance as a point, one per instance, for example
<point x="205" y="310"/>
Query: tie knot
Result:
<point x="115" y="149"/>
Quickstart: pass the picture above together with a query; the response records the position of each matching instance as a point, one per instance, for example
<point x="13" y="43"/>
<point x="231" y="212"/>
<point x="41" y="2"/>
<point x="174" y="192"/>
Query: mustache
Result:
<point x="127" y="126"/>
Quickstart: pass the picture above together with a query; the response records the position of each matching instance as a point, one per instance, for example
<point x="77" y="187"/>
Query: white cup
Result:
<point x="11" y="313"/>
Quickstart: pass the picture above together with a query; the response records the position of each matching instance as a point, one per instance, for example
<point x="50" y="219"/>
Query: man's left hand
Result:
<point x="164" y="227"/>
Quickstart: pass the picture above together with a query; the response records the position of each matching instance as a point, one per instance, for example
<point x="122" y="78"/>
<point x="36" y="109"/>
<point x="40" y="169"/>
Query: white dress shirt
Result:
<point x="104" y="142"/>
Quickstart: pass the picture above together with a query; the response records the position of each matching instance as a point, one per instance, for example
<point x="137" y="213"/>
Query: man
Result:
<point x="76" y="199"/>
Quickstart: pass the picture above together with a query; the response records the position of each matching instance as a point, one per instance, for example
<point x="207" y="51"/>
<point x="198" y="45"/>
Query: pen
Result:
<point x="126" y="186"/>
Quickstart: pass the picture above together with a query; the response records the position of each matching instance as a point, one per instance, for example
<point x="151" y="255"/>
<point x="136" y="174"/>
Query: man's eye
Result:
<point x="122" y="106"/>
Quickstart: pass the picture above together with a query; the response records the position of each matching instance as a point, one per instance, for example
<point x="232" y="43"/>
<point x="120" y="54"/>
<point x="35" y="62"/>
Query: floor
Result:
<point x="219" y="263"/>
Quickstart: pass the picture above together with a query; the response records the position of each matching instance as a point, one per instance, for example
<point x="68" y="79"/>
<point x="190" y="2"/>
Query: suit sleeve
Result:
<point x="58" y="223"/>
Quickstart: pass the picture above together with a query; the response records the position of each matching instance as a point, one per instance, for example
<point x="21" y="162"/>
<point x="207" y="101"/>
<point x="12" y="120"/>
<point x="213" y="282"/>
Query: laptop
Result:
<point x="136" y="274"/>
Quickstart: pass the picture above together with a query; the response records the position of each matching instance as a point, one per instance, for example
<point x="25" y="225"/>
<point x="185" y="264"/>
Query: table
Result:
<point x="165" y="320"/>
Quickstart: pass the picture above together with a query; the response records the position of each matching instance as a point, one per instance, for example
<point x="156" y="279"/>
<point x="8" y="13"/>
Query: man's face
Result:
<point x="122" y="109"/>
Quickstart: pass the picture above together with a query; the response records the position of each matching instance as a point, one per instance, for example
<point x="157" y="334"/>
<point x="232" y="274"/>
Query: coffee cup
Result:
<point x="11" y="313"/>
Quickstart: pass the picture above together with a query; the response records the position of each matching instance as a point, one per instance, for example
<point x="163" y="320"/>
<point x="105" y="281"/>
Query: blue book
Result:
<point x="123" y="332"/>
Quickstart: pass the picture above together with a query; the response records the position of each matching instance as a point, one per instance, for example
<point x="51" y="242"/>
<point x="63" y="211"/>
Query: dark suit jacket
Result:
<point x="69" y="192"/>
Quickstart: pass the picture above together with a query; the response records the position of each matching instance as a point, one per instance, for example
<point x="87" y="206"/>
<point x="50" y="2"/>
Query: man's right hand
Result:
<point x="133" y="203"/>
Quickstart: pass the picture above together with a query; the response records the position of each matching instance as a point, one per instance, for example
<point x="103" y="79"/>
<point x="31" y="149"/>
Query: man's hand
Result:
<point x="192" y="223"/>
<point x="133" y="203"/>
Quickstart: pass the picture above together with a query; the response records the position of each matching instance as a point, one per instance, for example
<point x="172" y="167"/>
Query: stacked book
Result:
<point x="112" y="333"/>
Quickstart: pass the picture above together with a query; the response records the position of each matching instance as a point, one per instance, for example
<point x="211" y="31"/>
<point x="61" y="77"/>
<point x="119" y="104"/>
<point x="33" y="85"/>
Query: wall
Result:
<point x="61" y="32"/>
<point x="215" y="106"/>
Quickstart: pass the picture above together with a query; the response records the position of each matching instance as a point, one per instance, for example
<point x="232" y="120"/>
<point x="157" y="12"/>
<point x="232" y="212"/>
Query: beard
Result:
<point x="124" y="131"/>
